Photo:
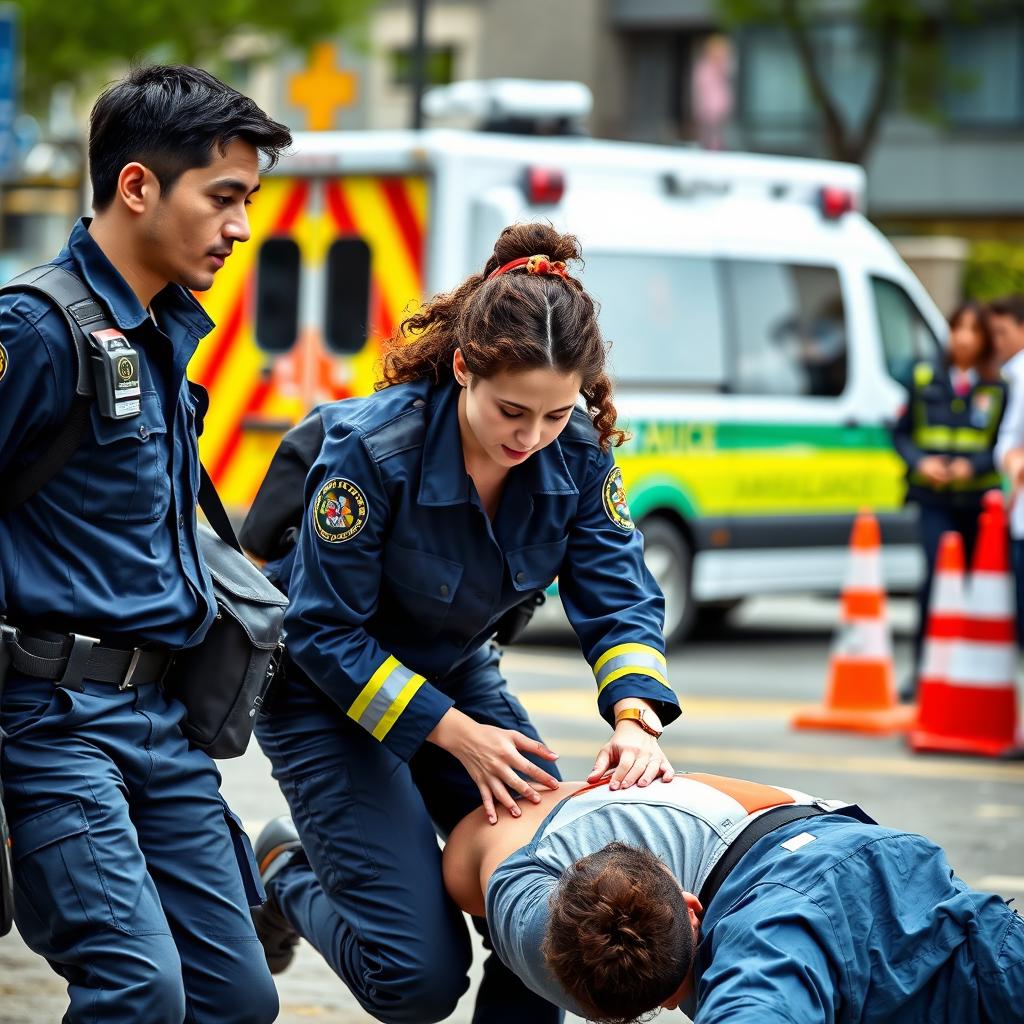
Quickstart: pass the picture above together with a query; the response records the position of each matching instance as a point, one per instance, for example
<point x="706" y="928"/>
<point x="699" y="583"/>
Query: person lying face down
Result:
<point x="593" y="898"/>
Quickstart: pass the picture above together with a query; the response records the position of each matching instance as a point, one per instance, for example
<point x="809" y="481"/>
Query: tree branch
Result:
<point x="887" y="36"/>
<point x="835" y="129"/>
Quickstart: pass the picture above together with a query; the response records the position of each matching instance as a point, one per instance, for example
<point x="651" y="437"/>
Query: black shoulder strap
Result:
<point x="210" y="503"/>
<point x="83" y="313"/>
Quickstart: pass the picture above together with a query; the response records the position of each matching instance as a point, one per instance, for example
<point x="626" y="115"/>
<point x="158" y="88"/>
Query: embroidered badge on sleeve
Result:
<point x="615" y="500"/>
<point x="3" y="361"/>
<point x="339" y="511"/>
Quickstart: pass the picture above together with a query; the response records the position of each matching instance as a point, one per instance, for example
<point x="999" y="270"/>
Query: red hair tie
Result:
<point x="534" y="265"/>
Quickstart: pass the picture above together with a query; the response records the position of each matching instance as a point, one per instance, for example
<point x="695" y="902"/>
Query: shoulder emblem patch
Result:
<point x="615" y="500"/>
<point x="340" y="511"/>
<point x="3" y="361"/>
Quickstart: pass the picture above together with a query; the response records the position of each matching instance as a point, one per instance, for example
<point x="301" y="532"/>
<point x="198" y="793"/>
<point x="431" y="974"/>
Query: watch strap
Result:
<point x="637" y="715"/>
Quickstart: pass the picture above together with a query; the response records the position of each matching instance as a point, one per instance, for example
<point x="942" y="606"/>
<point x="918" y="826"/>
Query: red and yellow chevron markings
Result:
<point x="390" y="215"/>
<point x="228" y="362"/>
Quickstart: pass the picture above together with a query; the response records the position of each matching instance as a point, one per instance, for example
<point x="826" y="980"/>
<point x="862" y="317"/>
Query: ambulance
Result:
<point x="759" y="325"/>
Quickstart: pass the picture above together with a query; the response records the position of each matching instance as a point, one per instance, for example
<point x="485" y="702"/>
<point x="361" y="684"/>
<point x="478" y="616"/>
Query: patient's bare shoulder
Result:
<point x="475" y="847"/>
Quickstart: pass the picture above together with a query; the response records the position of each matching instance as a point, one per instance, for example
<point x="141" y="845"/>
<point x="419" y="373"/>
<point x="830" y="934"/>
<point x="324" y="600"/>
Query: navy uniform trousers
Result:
<point x="131" y="875"/>
<point x="369" y="894"/>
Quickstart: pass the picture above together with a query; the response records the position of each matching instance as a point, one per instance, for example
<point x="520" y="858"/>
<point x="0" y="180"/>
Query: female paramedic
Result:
<point x="946" y="435"/>
<point x="468" y="482"/>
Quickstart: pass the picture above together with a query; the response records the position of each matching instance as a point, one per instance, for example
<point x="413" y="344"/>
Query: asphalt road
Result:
<point x="740" y="687"/>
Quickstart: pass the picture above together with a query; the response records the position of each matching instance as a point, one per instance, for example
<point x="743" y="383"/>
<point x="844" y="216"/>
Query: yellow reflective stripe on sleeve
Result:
<point x="400" y="703"/>
<point x="369" y="691"/>
<point x="631" y="670"/>
<point x="614" y="652"/>
<point x="385" y="697"/>
<point x="630" y="659"/>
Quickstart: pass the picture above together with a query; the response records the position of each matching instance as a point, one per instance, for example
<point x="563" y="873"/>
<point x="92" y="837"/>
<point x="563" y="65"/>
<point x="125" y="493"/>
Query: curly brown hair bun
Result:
<point x="514" y="322"/>
<point x="619" y="938"/>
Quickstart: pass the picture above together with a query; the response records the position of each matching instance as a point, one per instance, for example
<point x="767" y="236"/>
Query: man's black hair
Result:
<point x="1009" y="305"/>
<point x="170" y="118"/>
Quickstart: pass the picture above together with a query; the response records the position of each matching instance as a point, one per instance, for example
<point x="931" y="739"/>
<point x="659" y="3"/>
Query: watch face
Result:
<point x="646" y="726"/>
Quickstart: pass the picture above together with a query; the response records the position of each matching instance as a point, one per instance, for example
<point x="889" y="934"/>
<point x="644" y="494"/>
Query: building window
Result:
<point x="439" y="69"/>
<point x="773" y="89"/>
<point x="985" y="81"/>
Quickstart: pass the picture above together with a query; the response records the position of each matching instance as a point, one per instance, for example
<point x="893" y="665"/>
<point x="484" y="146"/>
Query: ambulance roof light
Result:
<point x="527" y="106"/>
<point x="834" y="202"/>
<point x="543" y="186"/>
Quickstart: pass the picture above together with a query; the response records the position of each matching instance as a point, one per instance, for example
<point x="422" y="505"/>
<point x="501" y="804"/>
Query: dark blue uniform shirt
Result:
<point x="108" y="547"/>
<point x="400" y="575"/>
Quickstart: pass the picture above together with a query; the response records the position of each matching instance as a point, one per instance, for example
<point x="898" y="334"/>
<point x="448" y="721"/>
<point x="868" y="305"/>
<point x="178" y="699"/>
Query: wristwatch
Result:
<point x="638" y="715"/>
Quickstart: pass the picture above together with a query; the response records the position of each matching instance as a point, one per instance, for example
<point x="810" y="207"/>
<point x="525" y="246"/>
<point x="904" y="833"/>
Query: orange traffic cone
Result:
<point x="861" y="693"/>
<point x="980" y="699"/>
<point x="945" y="626"/>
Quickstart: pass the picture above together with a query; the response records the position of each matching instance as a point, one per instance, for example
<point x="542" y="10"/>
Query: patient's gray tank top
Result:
<point x="688" y="823"/>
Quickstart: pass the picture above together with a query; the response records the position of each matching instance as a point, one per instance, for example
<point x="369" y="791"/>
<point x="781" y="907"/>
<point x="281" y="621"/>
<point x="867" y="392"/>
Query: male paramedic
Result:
<point x="764" y="902"/>
<point x="131" y="876"/>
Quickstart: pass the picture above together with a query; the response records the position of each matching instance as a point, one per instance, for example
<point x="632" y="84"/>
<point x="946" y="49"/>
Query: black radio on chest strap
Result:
<point x="115" y="367"/>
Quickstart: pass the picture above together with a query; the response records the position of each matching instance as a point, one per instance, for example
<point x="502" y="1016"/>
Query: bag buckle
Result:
<point x="77" y="663"/>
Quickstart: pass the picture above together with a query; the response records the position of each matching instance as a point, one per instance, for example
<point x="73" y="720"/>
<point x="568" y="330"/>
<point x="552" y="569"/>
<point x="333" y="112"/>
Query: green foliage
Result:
<point x="84" y="42"/>
<point x="994" y="269"/>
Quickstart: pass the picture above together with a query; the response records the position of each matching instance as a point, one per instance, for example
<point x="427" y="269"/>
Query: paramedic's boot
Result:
<point x="275" y="847"/>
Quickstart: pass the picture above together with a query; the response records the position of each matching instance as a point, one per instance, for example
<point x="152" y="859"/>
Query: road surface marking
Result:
<point x="687" y="755"/>
<point x="997" y="883"/>
<point x="998" y="811"/>
<point x="580" y="704"/>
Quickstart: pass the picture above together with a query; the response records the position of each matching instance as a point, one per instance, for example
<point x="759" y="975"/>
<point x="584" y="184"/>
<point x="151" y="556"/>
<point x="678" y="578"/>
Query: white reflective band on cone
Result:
<point x="982" y="664"/>
<point x="990" y="596"/>
<point x="947" y="594"/>
<point x="862" y="638"/>
<point x="938" y="656"/>
<point x="864" y="571"/>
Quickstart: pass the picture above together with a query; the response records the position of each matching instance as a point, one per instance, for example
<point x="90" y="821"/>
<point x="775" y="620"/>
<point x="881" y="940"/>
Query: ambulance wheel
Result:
<point x="670" y="558"/>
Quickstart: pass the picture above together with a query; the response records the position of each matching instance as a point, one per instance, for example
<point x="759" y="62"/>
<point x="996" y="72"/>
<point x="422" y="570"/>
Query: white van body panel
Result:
<point x="626" y="201"/>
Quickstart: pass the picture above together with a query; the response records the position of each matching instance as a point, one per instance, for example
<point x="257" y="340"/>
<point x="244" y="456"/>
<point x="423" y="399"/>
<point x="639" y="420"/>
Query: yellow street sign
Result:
<point x="322" y="88"/>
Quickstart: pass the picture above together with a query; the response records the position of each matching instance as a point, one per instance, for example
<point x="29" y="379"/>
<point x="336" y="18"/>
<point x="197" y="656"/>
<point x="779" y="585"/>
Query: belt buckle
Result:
<point x="128" y="682"/>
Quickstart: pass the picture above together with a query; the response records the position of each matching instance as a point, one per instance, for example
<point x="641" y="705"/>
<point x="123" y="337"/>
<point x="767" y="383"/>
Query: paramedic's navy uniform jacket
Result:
<point x="400" y="576"/>
<point x="108" y="547"/>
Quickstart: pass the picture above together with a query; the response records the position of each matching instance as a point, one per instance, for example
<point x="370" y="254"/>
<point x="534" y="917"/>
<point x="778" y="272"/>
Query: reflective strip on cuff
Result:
<point x="383" y="699"/>
<point x="630" y="659"/>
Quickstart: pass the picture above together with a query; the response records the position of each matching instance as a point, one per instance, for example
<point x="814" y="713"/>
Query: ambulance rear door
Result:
<point x="333" y="263"/>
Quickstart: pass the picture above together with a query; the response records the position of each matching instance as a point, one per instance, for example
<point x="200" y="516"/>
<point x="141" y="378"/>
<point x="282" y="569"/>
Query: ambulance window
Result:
<point x="277" y="295"/>
<point x="347" y="315"/>
<point x="789" y="329"/>
<point x="663" y="316"/>
<point x="906" y="337"/>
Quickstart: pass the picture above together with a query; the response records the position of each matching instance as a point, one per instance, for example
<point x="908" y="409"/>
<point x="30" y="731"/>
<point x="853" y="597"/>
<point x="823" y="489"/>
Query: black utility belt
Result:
<point x="70" y="659"/>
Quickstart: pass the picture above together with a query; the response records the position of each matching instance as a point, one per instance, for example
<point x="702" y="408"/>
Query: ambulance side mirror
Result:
<point x="347" y="298"/>
<point x="277" y="295"/>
